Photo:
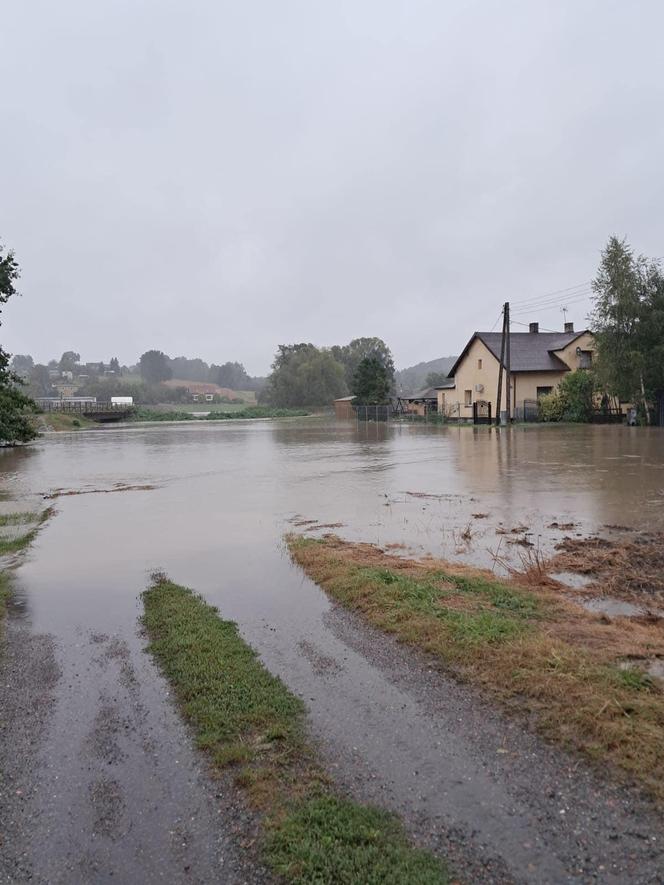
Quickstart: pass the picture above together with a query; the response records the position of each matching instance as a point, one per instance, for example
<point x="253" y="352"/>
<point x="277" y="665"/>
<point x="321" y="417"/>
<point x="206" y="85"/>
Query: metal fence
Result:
<point x="373" y="413"/>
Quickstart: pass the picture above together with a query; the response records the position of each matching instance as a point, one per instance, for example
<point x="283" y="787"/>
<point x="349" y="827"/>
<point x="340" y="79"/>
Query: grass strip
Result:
<point x="19" y="518"/>
<point x="245" y="717"/>
<point x="20" y="542"/>
<point x="4" y="595"/>
<point x="572" y="671"/>
<point x="147" y="414"/>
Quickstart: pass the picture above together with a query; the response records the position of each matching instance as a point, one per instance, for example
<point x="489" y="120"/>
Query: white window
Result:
<point x="468" y="398"/>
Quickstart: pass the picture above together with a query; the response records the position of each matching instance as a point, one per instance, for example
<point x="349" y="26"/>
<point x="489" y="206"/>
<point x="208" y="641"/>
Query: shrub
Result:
<point x="573" y="400"/>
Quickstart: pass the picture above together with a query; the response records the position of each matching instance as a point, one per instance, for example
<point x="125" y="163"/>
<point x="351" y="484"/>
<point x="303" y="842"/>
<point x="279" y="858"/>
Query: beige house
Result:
<point x="539" y="360"/>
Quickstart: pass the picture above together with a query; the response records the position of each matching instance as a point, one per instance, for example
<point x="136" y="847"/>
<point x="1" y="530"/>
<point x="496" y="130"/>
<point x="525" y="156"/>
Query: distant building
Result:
<point x="343" y="407"/>
<point x="424" y="402"/>
<point x="538" y="360"/>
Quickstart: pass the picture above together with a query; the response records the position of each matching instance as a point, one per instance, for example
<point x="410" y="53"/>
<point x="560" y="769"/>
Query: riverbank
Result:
<point x="17" y="531"/>
<point x="246" y="718"/>
<point x="216" y="414"/>
<point x="578" y="676"/>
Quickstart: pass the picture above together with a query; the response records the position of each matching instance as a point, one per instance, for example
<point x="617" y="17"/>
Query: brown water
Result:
<point x="224" y="496"/>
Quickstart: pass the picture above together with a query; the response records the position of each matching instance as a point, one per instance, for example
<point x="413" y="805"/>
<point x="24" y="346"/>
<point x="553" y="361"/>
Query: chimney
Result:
<point x="569" y="327"/>
<point x="534" y="328"/>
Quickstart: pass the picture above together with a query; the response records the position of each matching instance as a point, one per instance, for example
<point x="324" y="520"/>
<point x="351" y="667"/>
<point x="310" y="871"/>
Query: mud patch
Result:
<point x="322" y="664"/>
<point x="103" y="739"/>
<point x="109" y="807"/>
<point x="66" y="493"/>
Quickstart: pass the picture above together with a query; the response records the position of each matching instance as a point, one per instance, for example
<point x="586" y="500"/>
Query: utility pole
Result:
<point x="508" y="364"/>
<point x="499" y="397"/>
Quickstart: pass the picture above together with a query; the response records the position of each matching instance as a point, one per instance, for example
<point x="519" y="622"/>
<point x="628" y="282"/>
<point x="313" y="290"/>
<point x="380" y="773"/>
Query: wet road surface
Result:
<point x="120" y="794"/>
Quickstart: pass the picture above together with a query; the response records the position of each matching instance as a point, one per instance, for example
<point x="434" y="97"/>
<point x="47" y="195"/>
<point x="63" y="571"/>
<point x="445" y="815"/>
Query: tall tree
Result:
<point x="154" y="366"/>
<point x="351" y="355"/>
<point x="15" y="406"/>
<point x="628" y="323"/>
<point x="69" y="361"/>
<point x="189" y="370"/>
<point x="372" y="382"/>
<point x="22" y="364"/>
<point x="114" y="365"/>
<point x="303" y="375"/>
<point x="231" y="375"/>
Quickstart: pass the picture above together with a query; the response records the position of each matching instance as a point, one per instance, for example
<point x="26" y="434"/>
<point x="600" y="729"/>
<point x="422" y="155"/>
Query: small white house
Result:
<point x="122" y="400"/>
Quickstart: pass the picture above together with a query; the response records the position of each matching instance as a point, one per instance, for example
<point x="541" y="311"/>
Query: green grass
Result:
<point x="235" y="704"/>
<point x="328" y="839"/>
<point x="4" y="595"/>
<point x="246" y="718"/>
<point x="218" y="413"/>
<point x="19" y="518"/>
<point x="61" y="421"/>
<point x="14" y="545"/>
<point x="498" y="613"/>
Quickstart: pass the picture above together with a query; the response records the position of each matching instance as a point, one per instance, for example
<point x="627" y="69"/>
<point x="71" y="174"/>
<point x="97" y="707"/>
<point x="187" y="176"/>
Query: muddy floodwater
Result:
<point x="221" y="498"/>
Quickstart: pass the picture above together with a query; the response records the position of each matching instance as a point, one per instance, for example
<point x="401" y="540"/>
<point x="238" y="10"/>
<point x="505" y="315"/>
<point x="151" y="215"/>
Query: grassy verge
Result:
<point x="246" y="718"/>
<point x="4" y="595"/>
<point x="32" y="522"/>
<point x="570" y="670"/>
<point x="20" y="542"/>
<point x="218" y="414"/>
<point x="62" y="421"/>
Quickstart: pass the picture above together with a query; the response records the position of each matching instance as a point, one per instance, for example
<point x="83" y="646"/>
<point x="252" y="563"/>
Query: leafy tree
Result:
<point x="628" y="323"/>
<point x="372" y="382"/>
<point x="69" y="361"/>
<point x="40" y="383"/>
<point x="22" y="364"/>
<point x="15" y="406"/>
<point x="303" y="375"/>
<point x="351" y="355"/>
<point x="114" y="365"/>
<point x="154" y="367"/>
<point x="231" y="375"/>
<point x="189" y="370"/>
<point x="435" y="379"/>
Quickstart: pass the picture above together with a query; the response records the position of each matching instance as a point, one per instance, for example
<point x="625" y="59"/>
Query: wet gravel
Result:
<point x="100" y="779"/>
<point x="499" y="801"/>
<point x="28" y="677"/>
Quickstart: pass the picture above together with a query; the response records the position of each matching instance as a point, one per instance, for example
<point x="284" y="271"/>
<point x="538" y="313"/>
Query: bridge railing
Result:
<point x="82" y="407"/>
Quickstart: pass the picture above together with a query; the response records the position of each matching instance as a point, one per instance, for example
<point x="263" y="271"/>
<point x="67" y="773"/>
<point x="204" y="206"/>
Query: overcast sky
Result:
<point x="216" y="178"/>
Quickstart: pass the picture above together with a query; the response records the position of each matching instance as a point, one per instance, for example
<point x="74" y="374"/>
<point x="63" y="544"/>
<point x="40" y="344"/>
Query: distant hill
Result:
<point x="413" y="379"/>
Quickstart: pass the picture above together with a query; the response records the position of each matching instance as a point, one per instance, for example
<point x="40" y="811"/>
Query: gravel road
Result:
<point x="100" y="780"/>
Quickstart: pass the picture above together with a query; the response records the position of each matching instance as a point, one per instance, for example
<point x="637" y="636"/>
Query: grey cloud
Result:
<point x="216" y="178"/>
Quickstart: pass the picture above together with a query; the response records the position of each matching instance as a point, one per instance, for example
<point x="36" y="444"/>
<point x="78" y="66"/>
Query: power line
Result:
<point x="497" y="320"/>
<point x="579" y="299"/>
<point x="559" y="299"/>
<point x="548" y="295"/>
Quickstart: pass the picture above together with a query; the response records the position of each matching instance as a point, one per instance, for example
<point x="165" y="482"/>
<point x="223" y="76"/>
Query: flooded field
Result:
<point x="209" y="505"/>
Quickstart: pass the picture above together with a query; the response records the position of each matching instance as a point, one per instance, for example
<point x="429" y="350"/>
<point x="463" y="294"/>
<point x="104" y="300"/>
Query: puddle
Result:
<point x="609" y="605"/>
<point x="572" y="580"/>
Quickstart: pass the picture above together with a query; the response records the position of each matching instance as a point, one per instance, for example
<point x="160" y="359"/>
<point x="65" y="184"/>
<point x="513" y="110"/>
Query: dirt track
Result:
<point x="100" y="779"/>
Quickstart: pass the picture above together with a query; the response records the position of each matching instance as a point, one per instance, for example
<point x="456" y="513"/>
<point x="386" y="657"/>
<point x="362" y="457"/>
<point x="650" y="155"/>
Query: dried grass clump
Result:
<point x="630" y="566"/>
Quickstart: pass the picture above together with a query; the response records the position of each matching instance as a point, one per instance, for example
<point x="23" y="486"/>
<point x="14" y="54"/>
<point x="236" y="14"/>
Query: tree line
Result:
<point x="306" y="375"/>
<point x="153" y="368"/>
